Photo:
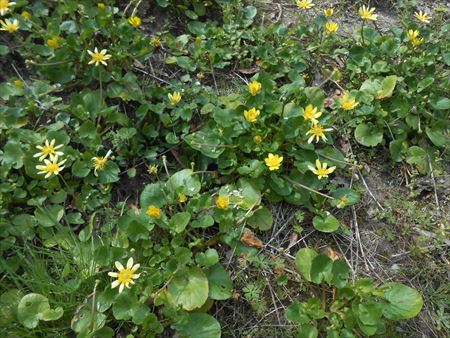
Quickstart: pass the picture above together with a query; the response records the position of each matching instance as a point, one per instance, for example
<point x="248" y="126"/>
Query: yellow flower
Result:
<point x="48" y="149"/>
<point x="26" y="15"/>
<point x="222" y="202"/>
<point x="174" y="98"/>
<point x="182" y="198"/>
<point x="422" y="17"/>
<point x="198" y="40"/>
<point x="135" y="21"/>
<point x="200" y="75"/>
<point x="153" y="211"/>
<point x="321" y="170"/>
<point x="257" y="139"/>
<point x="19" y="83"/>
<point x="99" y="57"/>
<point x="101" y="6"/>
<point x="125" y="276"/>
<point x="331" y="27"/>
<point x="254" y="88"/>
<point x="348" y="103"/>
<point x="413" y="36"/>
<point x="8" y="25"/>
<point x="55" y="42"/>
<point x="273" y="161"/>
<point x="367" y="13"/>
<point x="52" y="167"/>
<point x="311" y="113"/>
<point x="4" y="6"/>
<point x="305" y="4"/>
<point x="251" y="115"/>
<point x="328" y="12"/>
<point x="317" y="131"/>
<point x="155" y="41"/>
<point x="153" y="169"/>
<point x="100" y="162"/>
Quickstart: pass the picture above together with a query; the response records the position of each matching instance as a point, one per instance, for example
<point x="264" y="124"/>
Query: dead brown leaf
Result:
<point x="249" y="238"/>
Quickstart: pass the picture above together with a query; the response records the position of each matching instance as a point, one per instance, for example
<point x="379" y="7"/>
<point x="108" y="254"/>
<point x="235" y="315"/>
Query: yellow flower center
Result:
<point x="222" y="202"/>
<point x="251" y="115"/>
<point x="19" y="83"/>
<point x="317" y="130"/>
<point x="153" y="211"/>
<point x="48" y="150"/>
<point x="52" y="168"/>
<point x="125" y="276"/>
<point x="254" y="88"/>
<point x="322" y="171"/>
<point x="54" y="42"/>
<point x="257" y="139"/>
<point x="4" y="4"/>
<point x="348" y="104"/>
<point x="98" y="57"/>
<point x="10" y="26"/>
<point x="100" y="162"/>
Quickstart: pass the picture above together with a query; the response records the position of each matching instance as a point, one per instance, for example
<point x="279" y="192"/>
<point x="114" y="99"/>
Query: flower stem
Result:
<point x="362" y="33"/>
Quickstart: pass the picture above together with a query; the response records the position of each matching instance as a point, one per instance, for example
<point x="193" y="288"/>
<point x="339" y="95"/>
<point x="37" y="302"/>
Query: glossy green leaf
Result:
<point x="403" y="302"/>
<point x="303" y="261"/>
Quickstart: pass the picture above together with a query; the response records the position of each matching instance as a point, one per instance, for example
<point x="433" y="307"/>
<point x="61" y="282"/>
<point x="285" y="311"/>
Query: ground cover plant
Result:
<point x="148" y="148"/>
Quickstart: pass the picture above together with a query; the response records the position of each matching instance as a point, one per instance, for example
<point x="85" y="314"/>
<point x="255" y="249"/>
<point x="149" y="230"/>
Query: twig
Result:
<point x="358" y="238"/>
<point x="436" y="199"/>
<point x="151" y="75"/>
<point x="368" y="190"/>
<point x="94" y="293"/>
<point x="273" y="297"/>
<point x="307" y="188"/>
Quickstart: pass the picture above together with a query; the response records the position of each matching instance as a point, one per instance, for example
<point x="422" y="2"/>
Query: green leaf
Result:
<point x="199" y="325"/>
<point x="13" y="154"/>
<point x="49" y="216"/>
<point x="296" y="313"/>
<point x="340" y="274"/>
<point x="303" y="262"/>
<point x="440" y="103"/>
<point x="250" y="12"/>
<point x="186" y="62"/>
<point x="204" y="221"/>
<point x="109" y="174"/>
<point x="368" y="315"/>
<point x="404" y="302"/>
<point x="207" y="142"/>
<point x="261" y="219"/>
<point x="152" y="194"/>
<point x="387" y="87"/>
<point x="308" y="331"/>
<point x="188" y="289"/>
<point x="425" y="83"/>
<point x="208" y="258"/>
<point x="417" y="156"/>
<point x="8" y="306"/>
<point x="329" y="223"/>
<point x="344" y="197"/>
<point x="185" y="182"/>
<point x="321" y="269"/>
<point x="34" y="307"/>
<point x="220" y="284"/>
<point x="368" y="136"/>
<point x="179" y="221"/>
<point x="437" y="135"/>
